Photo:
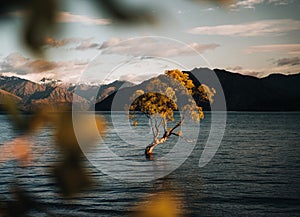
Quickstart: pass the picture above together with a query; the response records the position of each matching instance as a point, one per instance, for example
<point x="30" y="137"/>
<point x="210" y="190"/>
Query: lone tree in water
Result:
<point x="173" y="91"/>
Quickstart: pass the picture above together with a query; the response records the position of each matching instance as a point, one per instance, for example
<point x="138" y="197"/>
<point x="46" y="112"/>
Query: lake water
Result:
<point x="255" y="172"/>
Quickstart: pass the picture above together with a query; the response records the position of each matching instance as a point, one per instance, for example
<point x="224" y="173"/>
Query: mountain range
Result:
<point x="276" y="92"/>
<point x="30" y="95"/>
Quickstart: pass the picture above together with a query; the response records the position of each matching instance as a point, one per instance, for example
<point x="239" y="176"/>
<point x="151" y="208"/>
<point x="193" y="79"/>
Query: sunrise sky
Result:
<point x="254" y="37"/>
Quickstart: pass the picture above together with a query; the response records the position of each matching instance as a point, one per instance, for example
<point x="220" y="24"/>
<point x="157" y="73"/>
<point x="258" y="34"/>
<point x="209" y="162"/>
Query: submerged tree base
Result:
<point x="149" y="149"/>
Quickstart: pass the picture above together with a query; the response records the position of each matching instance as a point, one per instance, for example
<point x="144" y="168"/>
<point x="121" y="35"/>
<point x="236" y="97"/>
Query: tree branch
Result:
<point x="176" y="134"/>
<point x="165" y="124"/>
<point x="157" y="128"/>
<point x="177" y="125"/>
<point x="182" y="137"/>
<point x="152" y="127"/>
<point x="160" y="123"/>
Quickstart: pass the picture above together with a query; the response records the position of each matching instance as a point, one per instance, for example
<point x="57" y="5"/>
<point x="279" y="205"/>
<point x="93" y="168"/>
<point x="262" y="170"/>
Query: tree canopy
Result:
<point x="172" y="91"/>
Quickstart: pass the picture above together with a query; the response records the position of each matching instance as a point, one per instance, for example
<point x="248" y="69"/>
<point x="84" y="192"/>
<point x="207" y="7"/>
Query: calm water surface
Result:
<point x="256" y="172"/>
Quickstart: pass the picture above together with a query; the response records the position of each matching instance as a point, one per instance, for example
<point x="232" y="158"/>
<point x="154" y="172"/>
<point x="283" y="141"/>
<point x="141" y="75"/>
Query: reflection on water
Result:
<point x="254" y="173"/>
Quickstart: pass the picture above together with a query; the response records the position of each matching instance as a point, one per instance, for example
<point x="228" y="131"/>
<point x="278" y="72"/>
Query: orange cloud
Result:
<point x="258" y="28"/>
<point x="67" y="17"/>
<point x="148" y="46"/>
<point x="293" y="49"/>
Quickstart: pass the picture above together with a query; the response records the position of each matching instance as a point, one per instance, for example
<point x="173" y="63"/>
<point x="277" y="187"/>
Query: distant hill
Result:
<point x="4" y="95"/>
<point x="242" y="93"/>
<point x="20" y="87"/>
<point x="276" y="92"/>
<point x="30" y="95"/>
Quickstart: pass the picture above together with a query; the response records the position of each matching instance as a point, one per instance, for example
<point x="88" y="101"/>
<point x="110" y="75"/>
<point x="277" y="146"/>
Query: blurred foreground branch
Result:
<point x="41" y="15"/>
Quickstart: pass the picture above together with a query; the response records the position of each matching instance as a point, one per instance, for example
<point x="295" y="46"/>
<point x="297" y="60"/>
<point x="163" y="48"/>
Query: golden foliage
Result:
<point x="173" y="91"/>
<point x="154" y="104"/>
<point x="206" y="92"/>
<point x="163" y="93"/>
<point x="134" y="123"/>
<point x="182" y="78"/>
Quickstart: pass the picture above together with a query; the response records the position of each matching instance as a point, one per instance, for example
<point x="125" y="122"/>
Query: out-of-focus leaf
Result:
<point x="19" y="149"/>
<point x="118" y="12"/>
<point x="40" y="20"/>
<point x="26" y="124"/>
<point x="11" y="107"/>
<point x="22" y="203"/>
<point x="11" y="5"/>
<point x="41" y="15"/>
<point x="39" y="118"/>
<point x="65" y="137"/>
<point x="71" y="176"/>
<point x="88" y="129"/>
<point x="160" y="204"/>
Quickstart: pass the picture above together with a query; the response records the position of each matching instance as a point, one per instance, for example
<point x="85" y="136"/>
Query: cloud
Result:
<point x="17" y="65"/>
<point x="82" y="44"/>
<point x="134" y="78"/>
<point x="247" y="3"/>
<point x="219" y="2"/>
<point x="253" y="3"/>
<point x="67" y="17"/>
<point x="292" y="49"/>
<point x="293" y="61"/>
<point x="244" y="71"/>
<point x="52" y="42"/>
<point x="258" y="28"/>
<point x="286" y="69"/>
<point x="235" y="68"/>
<point x="87" y="44"/>
<point x="148" y="46"/>
<point x="21" y="65"/>
<point x="208" y="9"/>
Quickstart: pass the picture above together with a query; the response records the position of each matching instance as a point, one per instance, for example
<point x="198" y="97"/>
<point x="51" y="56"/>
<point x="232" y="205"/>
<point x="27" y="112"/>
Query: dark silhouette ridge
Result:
<point x="275" y="92"/>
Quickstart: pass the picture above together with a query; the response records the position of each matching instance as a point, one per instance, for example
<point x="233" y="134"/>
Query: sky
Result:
<point x="251" y="37"/>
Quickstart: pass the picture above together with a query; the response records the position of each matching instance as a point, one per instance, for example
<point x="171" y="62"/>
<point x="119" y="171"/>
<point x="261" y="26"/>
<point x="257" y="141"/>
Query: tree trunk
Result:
<point x="150" y="147"/>
<point x="156" y="141"/>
